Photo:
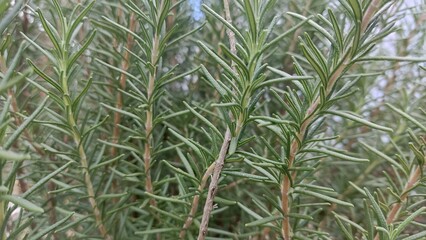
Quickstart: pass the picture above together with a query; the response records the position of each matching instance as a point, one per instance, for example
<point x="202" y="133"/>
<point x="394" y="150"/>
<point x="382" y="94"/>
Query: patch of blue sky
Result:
<point x="197" y="14"/>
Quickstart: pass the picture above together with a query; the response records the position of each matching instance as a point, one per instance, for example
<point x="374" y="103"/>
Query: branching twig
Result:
<point x="196" y="200"/>
<point x="213" y="185"/>
<point x="294" y="149"/>
<point x="220" y="161"/>
<point x="309" y="117"/>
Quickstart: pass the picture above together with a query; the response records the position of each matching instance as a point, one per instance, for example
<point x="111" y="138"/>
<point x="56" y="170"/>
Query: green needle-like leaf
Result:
<point x="358" y="119"/>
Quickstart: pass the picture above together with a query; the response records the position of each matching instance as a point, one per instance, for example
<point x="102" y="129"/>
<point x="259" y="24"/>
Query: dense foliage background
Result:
<point x="247" y="119"/>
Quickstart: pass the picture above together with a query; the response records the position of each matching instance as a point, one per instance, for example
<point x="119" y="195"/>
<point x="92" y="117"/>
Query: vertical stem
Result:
<point x="147" y="156"/>
<point x="369" y="13"/>
<point x="285" y="224"/>
<point x="412" y="180"/>
<point x="293" y="43"/>
<point x="195" y="201"/>
<point x="51" y="204"/>
<point x="72" y="123"/>
<point x="122" y="84"/>
<point x="213" y="185"/>
<point x="231" y="34"/>
<point x="88" y="181"/>
<point x="220" y="161"/>
<point x="309" y="117"/>
<point x="294" y="149"/>
<point x="3" y="235"/>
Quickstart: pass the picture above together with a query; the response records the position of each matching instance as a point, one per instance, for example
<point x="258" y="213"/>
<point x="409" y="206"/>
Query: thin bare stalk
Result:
<point x="3" y="235"/>
<point x="220" y="161"/>
<point x="371" y="10"/>
<point x="123" y="78"/>
<point x="286" y="230"/>
<point x="231" y="34"/>
<point x="196" y="200"/>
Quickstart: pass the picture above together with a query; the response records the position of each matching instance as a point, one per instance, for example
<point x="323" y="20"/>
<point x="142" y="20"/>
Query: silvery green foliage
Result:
<point x="112" y="126"/>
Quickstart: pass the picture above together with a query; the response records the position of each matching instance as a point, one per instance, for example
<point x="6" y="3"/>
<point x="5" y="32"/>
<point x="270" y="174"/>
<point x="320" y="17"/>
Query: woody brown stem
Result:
<point x="122" y="84"/>
<point x="147" y="156"/>
<point x="412" y="180"/>
<point x="309" y="117"/>
<point x="294" y="148"/>
<point x="196" y="200"/>
<point x="220" y="161"/>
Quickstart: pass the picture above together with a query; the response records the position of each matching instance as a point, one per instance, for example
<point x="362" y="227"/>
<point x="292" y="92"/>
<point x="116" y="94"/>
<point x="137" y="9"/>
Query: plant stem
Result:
<point x="3" y="235"/>
<point x="88" y="181"/>
<point x="294" y="149"/>
<point x="122" y="84"/>
<point x="220" y="161"/>
<point x="213" y="185"/>
<point x="412" y="180"/>
<point x="72" y="123"/>
<point x="293" y="43"/>
<point x="196" y="200"/>
<point x="147" y="156"/>
<point x="369" y="13"/>
<point x="309" y="117"/>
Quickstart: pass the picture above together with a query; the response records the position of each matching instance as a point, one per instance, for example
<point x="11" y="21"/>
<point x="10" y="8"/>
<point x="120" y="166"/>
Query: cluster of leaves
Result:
<point x="128" y="116"/>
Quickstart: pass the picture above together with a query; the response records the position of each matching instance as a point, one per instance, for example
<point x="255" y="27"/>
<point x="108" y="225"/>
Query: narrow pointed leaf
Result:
<point x="336" y="154"/>
<point x="407" y="221"/>
<point x="25" y="124"/>
<point x="48" y="79"/>
<point x="22" y="202"/>
<point x="416" y="236"/>
<point x="50" y="228"/>
<point x="376" y="208"/>
<point x="13" y="156"/>
<point x="384" y="156"/>
<point x="219" y="60"/>
<point x="263" y="221"/>
<point x="187" y="142"/>
<point x="355" y="118"/>
<point x="42" y="181"/>
<point x="79" y="20"/>
<point x="408" y="117"/>
<point x="240" y="37"/>
<point x="204" y="120"/>
<point x="323" y="197"/>
<point x="55" y="41"/>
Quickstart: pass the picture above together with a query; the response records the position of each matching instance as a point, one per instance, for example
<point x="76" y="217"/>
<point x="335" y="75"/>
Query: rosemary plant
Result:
<point x="248" y="119"/>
